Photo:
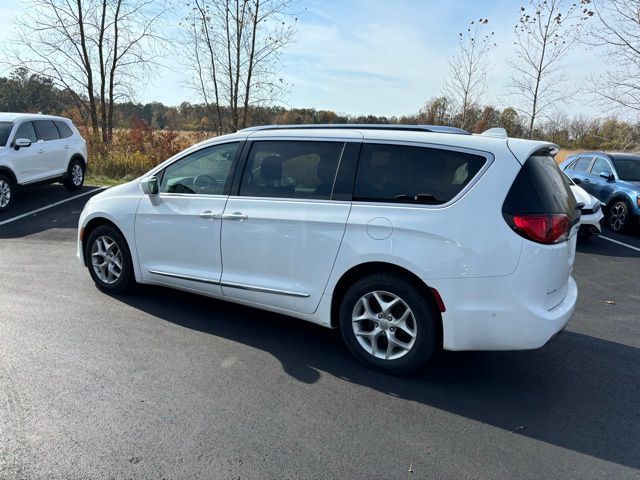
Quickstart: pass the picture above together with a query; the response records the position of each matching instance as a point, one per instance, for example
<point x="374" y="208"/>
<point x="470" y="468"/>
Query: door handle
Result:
<point x="234" y="216"/>
<point x="41" y="150"/>
<point x="66" y="147"/>
<point x="586" y="180"/>
<point x="209" y="215"/>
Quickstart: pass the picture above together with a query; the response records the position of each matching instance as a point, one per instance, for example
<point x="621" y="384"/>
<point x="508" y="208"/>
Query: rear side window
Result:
<point x="291" y="169"/>
<point x="5" y="130"/>
<point x="540" y="187"/>
<point x="582" y="164"/>
<point x="46" y="130"/>
<point x="64" y="129"/>
<point x="405" y="174"/>
<point x="26" y="130"/>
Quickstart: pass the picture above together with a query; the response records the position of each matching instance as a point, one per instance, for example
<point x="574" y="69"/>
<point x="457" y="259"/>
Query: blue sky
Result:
<point x="384" y="57"/>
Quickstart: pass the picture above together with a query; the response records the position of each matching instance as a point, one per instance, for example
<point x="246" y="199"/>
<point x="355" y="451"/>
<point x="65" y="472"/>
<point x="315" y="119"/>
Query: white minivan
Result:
<point x="38" y="148"/>
<point x="406" y="238"/>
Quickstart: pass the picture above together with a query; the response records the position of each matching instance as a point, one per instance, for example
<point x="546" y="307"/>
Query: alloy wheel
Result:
<point x="106" y="259"/>
<point x="77" y="175"/>
<point x="384" y="325"/>
<point x="5" y="193"/>
<point x="617" y="217"/>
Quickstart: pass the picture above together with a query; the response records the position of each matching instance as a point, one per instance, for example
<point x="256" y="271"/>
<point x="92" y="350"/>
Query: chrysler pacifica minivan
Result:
<point x="406" y="238"/>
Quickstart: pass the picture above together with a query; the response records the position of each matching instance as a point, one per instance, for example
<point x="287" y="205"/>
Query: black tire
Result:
<point x="126" y="278"/>
<point x="74" y="180"/>
<point x="7" y="192"/>
<point x="619" y="216"/>
<point x="426" y="341"/>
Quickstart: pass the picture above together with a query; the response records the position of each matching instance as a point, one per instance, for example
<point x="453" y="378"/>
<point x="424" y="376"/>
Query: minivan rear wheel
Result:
<point x="387" y="323"/>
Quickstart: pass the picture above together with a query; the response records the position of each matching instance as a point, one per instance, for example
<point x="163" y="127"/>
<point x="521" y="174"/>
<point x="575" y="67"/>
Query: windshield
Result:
<point x="5" y="130"/>
<point x="628" y="168"/>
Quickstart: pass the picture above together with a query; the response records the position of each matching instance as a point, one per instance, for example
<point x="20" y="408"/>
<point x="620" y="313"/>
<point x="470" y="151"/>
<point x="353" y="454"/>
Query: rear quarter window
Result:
<point x="409" y="174"/>
<point x="64" y="129"/>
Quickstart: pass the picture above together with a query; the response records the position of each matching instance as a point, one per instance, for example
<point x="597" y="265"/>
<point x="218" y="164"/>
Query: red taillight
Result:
<point x="547" y="229"/>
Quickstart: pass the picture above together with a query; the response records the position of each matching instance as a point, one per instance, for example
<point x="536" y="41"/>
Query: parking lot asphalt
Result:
<point x="164" y="384"/>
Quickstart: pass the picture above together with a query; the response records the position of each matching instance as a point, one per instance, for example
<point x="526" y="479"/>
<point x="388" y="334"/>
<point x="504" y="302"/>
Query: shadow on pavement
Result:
<point x="579" y="392"/>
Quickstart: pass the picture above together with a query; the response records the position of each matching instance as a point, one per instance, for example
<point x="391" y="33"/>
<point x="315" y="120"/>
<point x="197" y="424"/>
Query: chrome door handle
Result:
<point x="209" y="215"/>
<point x="234" y="216"/>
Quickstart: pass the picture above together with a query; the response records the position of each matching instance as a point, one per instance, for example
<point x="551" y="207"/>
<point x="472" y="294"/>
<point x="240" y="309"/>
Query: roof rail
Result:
<point x="495" y="132"/>
<point x="362" y="126"/>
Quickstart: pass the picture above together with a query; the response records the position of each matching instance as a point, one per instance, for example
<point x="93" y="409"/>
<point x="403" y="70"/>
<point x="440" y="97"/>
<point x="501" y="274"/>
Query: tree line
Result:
<point x="87" y="58"/>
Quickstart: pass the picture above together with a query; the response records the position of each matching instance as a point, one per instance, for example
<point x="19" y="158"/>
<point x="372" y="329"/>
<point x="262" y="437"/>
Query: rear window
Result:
<point x="5" y="130"/>
<point x="407" y="174"/>
<point x="540" y="187"/>
<point x="46" y="130"/>
<point x="64" y="129"/>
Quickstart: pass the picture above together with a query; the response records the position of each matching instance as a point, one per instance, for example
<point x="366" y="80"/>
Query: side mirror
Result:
<point x="149" y="185"/>
<point x="21" y="143"/>
<point x="607" y="175"/>
<point x="577" y="181"/>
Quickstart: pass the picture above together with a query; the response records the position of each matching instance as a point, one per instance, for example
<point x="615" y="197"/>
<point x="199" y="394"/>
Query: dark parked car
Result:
<point x="614" y="179"/>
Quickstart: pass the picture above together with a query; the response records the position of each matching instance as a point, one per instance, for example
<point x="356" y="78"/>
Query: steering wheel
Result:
<point x="204" y="182"/>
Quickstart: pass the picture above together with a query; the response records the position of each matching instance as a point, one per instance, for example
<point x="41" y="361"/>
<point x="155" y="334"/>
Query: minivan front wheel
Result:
<point x="388" y="324"/>
<point x="108" y="259"/>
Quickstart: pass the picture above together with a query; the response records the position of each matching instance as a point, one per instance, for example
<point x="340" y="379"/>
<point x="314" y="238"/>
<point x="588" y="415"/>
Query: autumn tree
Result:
<point x="467" y="78"/>
<point x="544" y="35"/>
<point x="98" y="49"/>
<point x="234" y="50"/>
<point x="617" y="31"/>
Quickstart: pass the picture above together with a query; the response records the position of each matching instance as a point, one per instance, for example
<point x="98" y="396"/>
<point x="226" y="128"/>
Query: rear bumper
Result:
<point x="482" y="314"/>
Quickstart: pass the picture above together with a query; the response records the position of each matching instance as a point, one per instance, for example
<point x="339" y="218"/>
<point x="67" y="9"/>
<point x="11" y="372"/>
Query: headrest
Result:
<point x="271" y="168"/>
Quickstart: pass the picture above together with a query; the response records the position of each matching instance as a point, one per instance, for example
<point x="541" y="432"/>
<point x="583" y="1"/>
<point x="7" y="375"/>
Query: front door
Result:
<point x="282" y="232"/>
<point x="178" y="230"/>
<point x="27" y="161"/>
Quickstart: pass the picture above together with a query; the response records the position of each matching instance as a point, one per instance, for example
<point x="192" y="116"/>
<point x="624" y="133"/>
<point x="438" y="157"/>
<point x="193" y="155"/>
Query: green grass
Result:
<point x="102" y="180"/>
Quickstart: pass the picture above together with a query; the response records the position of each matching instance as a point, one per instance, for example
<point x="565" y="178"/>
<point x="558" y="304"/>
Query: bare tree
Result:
<point x="617" y="31"/>
<point x="544" y="35"/>
<point x="467" y="80"/>
<point x="234" y="52"/>
<point x="98" y="49"/>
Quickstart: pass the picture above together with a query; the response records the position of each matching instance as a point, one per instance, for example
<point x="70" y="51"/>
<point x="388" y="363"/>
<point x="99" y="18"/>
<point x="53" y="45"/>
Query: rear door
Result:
<point x="51" y="149"/>
<point x="282" y="230"/>
<point x="580" y="171"/>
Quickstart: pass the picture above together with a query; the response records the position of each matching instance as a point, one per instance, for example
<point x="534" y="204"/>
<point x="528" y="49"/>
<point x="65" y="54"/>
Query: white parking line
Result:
<point x="13" y="219"/>
<point x="620" y="243"/>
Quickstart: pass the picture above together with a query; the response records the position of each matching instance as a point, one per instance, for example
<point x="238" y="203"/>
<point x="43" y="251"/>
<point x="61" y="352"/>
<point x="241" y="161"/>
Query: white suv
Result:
<point x="406" y="238"/>
<point x="39" y="148"/>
